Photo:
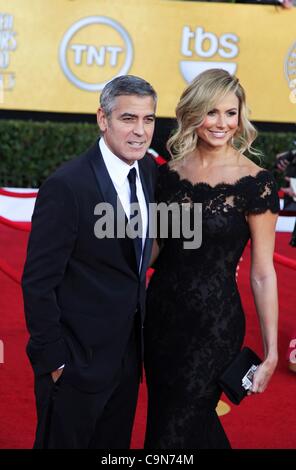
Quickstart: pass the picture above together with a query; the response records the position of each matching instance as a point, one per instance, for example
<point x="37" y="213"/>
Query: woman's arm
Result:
<point x="264" y="287"/>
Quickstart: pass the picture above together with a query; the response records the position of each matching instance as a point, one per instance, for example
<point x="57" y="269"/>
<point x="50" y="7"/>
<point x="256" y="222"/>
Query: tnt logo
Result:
<point x="93" y="51"/>
<point x="200" y="45"/>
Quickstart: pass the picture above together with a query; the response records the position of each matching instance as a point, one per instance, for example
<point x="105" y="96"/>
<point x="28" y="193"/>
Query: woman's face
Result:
<point x="221" y="123"/>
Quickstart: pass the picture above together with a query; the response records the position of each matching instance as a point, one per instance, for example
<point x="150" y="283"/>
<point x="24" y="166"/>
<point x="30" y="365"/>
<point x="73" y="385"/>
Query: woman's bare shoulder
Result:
<point x="247" y="167"/>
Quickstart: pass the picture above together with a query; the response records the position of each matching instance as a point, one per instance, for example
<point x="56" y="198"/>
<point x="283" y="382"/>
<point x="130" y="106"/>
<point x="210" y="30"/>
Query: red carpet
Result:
<point x="263" y="421"/>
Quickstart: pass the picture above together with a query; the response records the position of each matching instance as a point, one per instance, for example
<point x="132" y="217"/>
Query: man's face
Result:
<point x="128" y="131"/>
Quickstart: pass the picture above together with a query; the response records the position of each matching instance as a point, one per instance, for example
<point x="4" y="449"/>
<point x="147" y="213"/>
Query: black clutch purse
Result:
<point x="236" y="380"/>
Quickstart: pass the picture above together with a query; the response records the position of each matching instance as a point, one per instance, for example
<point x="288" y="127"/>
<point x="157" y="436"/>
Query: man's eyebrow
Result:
<point x="135" y="115"/>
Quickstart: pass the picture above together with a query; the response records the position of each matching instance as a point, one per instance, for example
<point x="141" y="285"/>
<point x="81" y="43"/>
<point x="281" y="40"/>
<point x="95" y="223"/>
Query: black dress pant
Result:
<point x="71" y="419"/>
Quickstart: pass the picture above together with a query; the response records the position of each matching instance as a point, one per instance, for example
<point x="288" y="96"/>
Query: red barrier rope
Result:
<point x="24" y="226"/>
<point x="12" y="274"/>
<point x="160" y="160"/>
<point x="285" y="261"/>
<point x="287" y="213"/>
<point x="4" y="192"/>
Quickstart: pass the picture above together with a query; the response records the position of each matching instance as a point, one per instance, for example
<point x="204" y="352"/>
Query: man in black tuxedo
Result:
<point x="84" y="293"/>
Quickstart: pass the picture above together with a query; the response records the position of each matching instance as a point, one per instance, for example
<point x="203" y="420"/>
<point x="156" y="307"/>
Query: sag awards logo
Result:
<point x="219" y="52"/>
<point x="8" y="45"/>
<point x="290" y="72"/>
<point x="93" y="51"/>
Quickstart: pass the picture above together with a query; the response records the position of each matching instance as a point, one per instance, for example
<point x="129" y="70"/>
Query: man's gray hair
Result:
<point x="124" y="85"/>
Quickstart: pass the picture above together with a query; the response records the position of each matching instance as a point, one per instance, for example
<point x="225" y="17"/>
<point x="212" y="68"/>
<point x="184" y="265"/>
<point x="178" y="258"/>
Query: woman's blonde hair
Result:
<point x="200" y="97"/>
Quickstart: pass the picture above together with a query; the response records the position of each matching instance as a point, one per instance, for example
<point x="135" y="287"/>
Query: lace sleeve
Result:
<point x="262" y="194"/>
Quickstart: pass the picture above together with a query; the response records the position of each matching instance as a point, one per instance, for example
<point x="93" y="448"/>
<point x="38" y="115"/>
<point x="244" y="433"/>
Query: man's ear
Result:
<point x="101" y="119"/>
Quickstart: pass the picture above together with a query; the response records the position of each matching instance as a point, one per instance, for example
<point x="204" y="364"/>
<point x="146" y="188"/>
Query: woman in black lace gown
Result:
<point x="195" y="323"/>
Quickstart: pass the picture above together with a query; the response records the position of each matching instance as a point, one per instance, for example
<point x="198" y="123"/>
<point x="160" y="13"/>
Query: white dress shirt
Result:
<point x="118" y="171"/>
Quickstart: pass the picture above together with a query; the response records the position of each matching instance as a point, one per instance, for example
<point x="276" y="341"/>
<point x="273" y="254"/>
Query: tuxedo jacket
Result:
<point x="81" y="293"/>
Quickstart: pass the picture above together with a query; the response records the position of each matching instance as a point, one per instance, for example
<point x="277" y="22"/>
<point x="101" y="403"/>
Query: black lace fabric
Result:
<point x="195" y="323"/>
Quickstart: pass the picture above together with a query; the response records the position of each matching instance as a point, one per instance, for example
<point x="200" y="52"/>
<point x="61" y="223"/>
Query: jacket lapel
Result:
<point x="148" y="192"/>
<point x="109" y="195"/>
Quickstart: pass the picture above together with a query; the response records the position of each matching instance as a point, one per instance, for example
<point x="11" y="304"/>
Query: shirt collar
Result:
<point x="117" y="168"/>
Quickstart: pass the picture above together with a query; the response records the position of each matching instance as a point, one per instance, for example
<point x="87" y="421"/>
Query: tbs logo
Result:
<point x="200" y="45"/>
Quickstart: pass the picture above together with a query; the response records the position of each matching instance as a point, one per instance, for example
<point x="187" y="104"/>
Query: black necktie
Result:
<point x="137" y="213"/>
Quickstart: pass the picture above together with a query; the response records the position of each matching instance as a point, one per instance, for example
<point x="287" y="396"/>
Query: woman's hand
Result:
<point x="263" y="375"/>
